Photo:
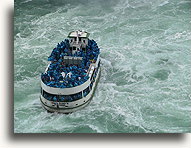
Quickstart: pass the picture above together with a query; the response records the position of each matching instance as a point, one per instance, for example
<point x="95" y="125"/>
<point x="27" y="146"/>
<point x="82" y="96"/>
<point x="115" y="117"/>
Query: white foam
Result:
<point x="164" y="3"/>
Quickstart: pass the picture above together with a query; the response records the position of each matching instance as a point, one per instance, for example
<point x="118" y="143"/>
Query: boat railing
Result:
<point x="92" y="67"/>
<point x="65" y="91"/>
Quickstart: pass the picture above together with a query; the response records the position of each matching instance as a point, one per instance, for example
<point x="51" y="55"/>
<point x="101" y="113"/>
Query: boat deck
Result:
<point x="67" y="69"/>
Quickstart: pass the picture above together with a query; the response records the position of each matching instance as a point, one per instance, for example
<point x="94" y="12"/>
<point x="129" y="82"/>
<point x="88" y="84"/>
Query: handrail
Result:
<point x="65" y="91"/>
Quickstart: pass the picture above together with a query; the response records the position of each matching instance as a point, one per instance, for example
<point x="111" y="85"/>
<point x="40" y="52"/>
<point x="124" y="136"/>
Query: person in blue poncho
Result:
<point x="55" y="98"/>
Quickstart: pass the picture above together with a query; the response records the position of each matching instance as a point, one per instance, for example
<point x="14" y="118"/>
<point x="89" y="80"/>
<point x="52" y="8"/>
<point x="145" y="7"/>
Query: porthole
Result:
<point x="76" y="104"/>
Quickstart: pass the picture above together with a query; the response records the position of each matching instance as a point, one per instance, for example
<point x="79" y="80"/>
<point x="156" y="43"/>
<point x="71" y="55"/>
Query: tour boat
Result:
<point x="69" y="81"/>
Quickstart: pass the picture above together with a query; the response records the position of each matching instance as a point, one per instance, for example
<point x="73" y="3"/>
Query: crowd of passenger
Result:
<point x="63" y="49"/>
<point x="62" y="75"/>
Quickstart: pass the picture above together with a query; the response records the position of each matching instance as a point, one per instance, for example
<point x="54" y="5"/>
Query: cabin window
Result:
<point x="70" y="98"/>
<point x="75" y="39"/>
<point x="49" y="96"/>
<point x="79" y="39"/>
<point x="74" y="48"/>
<point x="76" y="96"/>
<point x="65" y="98"/>
<point x="86" y="91"/>
<point x="84" y="41"/>
<point x="91" y="84"/>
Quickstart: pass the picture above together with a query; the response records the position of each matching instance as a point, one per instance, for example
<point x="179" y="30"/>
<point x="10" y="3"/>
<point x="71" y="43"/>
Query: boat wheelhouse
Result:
<point x="70" y="79"/>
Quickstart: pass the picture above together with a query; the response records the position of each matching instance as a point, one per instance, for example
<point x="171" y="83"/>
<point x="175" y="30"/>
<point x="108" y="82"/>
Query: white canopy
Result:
<point x="78" y="33"/>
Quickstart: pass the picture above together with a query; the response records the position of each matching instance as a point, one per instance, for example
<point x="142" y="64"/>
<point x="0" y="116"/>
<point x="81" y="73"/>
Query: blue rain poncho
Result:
<point x="53" y="76"/>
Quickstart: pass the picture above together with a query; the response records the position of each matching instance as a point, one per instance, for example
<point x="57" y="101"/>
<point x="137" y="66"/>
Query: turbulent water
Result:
<point x="145" y="83"/>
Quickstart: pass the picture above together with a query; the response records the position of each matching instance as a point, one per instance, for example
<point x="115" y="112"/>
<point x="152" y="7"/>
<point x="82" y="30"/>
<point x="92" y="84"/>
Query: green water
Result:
<point x="145" y="83"/>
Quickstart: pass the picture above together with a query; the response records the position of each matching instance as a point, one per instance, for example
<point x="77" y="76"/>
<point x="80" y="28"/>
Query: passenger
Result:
<point x="79" y="95"/>
<point x="85" y="93"/>
<point x="69" y="74"/>
<point x="55" y="98"/>
<point x="49" y="98"/>
<point x="57" y="67"/>
<point x="70" y="99"/>
<point x="60" y="78"/>
<point x="63" y="74"/>
<point x="75" y="84"/>
<point x="62" y="99"/>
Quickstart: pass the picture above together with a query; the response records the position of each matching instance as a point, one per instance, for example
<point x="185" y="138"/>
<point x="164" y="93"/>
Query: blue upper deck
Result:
<point x="63" y="74"/>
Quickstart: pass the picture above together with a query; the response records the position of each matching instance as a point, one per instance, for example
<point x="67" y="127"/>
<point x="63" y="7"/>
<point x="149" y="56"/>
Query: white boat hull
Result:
<point x="69" y="107"/>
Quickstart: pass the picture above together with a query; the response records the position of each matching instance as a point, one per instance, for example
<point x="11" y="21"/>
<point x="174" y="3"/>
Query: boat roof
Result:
<point x="82" y="34"/>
